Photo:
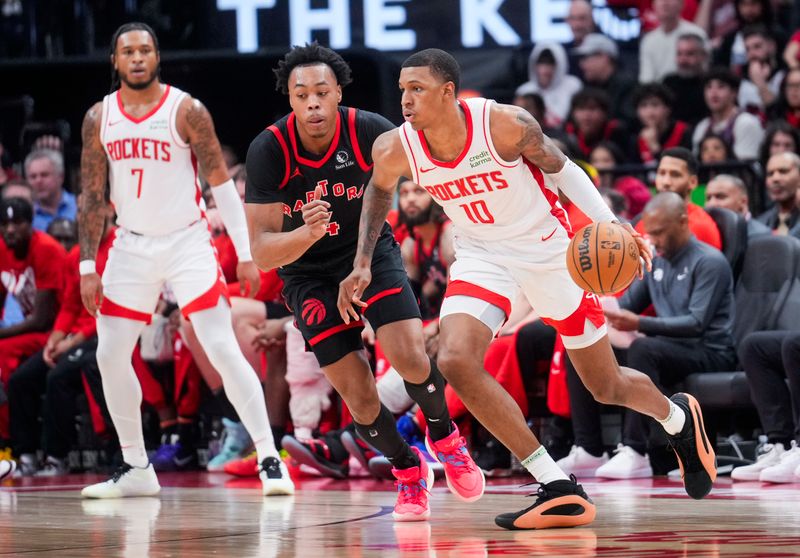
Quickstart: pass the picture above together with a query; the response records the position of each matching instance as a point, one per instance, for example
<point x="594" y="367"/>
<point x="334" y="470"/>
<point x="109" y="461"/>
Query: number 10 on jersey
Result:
<point x="478" y="212"/>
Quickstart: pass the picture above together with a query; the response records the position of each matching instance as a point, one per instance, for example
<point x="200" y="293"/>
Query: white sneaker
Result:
<point x="126" y="482"/>
<point x="7" y="468"/>
<point x="783" y="471"/>
<point x="581" y="463"/>
<point x="275" y="479"/>
<point x="627" y="463"/>
<point x="769" y="455"/>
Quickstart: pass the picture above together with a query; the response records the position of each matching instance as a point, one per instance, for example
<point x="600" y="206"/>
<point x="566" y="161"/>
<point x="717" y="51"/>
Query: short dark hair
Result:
<point x="441" y="63"/>
<point x="724" y="75"/>
<point x="18" y="210"/>
<point x="311" y="55"/>
<point x="756" y="29"/>
<point x="591" y="96"/>
<point x="546" y="57"/>
<point x="684" y="155"/>
<point x="647" y="91"/>
<point x="121" y="30"/>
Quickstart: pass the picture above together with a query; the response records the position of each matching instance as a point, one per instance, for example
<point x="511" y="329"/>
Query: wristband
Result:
<point x="87" y="267"/>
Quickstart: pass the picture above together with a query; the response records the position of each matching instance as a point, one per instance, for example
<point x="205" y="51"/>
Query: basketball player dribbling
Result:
<point x="497" y="177"/>
<point x="305" y="182"/>
<point x="147" y="138"/>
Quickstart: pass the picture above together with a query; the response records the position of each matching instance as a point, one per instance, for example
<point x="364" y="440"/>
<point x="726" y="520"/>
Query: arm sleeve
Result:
<point x="712" y="278"/>
<point x="637" y="297"/>
<point x="369" y="127"/>
<point x="577" y="186"/>
<point x="266" y="169"/>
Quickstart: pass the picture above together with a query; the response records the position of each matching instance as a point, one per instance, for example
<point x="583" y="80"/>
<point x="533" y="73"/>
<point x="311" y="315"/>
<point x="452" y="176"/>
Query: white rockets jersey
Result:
<point x="484" y="196"/>
<point x="152" y="171"/>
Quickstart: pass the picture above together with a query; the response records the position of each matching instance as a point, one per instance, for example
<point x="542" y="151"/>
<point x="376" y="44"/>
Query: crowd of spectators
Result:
<point x="708" y="118"/>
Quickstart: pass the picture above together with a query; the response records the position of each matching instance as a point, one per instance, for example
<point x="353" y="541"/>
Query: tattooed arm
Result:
<point x="92" y="210"/>
<point x="390" y="164"/>
<point x="197" y="129"/>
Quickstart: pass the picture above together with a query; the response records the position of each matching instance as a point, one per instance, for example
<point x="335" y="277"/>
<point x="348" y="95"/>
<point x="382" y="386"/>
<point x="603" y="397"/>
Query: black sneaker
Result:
<point x="358" y="448"/>
<point x="494" y="459"/>
<point x="275" y="479"/>
<point x="696" y="458"/>
<point x="316" y="454"/>
<point x="561" y="503"/>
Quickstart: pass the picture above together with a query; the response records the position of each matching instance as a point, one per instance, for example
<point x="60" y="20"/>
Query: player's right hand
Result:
<point x="350" y="292"/>
<point x="317" y="215"/>
<point x="92" y="292"/>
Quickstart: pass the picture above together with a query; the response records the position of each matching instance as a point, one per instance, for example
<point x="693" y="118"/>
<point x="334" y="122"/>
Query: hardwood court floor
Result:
<point x="211" y="515"/>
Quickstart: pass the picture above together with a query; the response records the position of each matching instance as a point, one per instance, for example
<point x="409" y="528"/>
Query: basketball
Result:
<point x="603" y="258"/>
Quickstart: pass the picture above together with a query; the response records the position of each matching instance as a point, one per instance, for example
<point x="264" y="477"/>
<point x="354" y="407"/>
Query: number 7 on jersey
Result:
<point x="140" y="172"/>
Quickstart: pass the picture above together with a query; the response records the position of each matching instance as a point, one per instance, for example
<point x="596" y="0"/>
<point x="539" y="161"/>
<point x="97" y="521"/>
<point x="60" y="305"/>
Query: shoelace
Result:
<point x="272" y="468"/>
<point x="411" y="491"/>
<point x="542" y="491"/>
<point x="124" y="468"/>
<point x="456" y="458"/>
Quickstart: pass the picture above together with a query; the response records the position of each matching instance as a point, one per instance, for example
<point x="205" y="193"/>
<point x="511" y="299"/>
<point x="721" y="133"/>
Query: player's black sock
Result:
<point x="278" y="432"/>
<point x="384" y="437"/>
<point x="429" y="395"/>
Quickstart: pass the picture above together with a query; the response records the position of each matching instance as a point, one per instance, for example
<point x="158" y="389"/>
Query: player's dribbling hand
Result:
<point x="317" y="215"/>
<point x="249" y="279"/>
<point x="350" y="292"/>
<point x="645" y="253"/>
<point x="91" y="292"/>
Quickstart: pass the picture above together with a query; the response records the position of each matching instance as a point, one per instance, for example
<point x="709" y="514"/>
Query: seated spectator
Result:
<point x="657" y="49"/>
<point x="787" y="105"/>
<point x="599" y="58"/>
<point x="581" y="23"/>
<point x="659" y="130"/>
<point x="589" y="123"/>
<point x="649" y="14"/>
<point x="677" y="172"/>
<point x="65" y="231"/>
<point x="605" y="157"/>
<point x="780" y="137"/>
<point x="713" y="150"/>
<point x="32" y="271"/>
<point x="783" y="182"/>
<point x="548" y="75"/>
<point x="762" y="75"/>
<point x="769" y="358"/>
<point x="691" y="289"/>
<point x="44" y="170"/>
<point x="730" y="192"/>
<point x="740" y="129"/>
<point x="686" y="82"/>
<point x="732" y="52"/>
<point x="791" y="54"/>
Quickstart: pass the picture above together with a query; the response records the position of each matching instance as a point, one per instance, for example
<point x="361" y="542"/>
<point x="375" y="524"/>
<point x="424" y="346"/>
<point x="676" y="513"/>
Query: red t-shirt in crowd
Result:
<point x="42" y="268"/>
<point x="700" y="223"/>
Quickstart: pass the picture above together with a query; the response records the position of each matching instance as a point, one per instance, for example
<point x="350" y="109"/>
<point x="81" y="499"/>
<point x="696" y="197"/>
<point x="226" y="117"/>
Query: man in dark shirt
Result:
<point x="686" y="83"/>
<point x="783" y="182"/>
<point x="305" y="181"/>
<point x="691" y="289"/>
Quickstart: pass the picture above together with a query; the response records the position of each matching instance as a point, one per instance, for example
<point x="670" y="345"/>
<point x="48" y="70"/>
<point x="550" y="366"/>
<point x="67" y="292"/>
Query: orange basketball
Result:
<point x="603" y="258"/>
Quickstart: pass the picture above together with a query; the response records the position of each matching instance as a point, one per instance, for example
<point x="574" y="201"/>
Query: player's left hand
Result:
<point x="645" y="253"/>
<point x="350" y="292"/>
<point x="249" y="279"/>
<point x="623" y="320"/>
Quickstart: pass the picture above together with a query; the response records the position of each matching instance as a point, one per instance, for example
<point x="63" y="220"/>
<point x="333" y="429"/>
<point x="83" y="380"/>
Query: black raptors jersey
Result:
<point x="280" y="170"/>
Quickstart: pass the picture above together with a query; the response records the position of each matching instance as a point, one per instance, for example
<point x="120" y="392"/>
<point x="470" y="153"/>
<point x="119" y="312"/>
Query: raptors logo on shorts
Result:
<point x="313" y="311"/>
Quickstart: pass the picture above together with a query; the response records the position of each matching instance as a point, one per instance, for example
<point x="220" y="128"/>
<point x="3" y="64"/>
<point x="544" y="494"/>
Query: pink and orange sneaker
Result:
<point x="464" y="478"/>
<point x="413" y="488"/>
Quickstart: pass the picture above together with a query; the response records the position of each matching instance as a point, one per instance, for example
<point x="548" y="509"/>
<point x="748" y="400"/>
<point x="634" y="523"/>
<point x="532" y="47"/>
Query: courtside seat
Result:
<point x="733" y="230"/>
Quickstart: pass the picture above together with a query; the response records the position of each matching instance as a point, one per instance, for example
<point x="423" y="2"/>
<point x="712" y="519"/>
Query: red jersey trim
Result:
<point x="333" y="331"/>
<point x="208" y="299"/>
<point x="383" y="294"/>
<point x="274" y="129"/>
<point x="575" y="324"/>
<point x="414" y="168"/>
<point x="467" y="144"/>
<point x="149" y="114"/>
<point x="114" y="310"/>
<point x="331" y="149"/>
<point x="552" y="198"/>
<point x="351" y="123"/>
<point x="463" y="288"/>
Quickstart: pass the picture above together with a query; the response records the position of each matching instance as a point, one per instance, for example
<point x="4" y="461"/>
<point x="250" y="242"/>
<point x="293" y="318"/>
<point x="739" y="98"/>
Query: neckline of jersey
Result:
<point x="334" y="143"/>
<point x="149" y="114"/>
<point x="454" y="163"/>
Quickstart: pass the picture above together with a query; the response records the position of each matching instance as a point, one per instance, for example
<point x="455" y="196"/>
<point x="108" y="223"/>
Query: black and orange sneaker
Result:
<point x="696" y="458"/>
<point x="316" y="454"/>
<point x="561" y="503"/>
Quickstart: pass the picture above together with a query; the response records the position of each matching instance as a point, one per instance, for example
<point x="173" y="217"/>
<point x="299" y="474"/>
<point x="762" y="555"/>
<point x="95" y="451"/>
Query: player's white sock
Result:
<point x="116" y="339"/>
<point x="542" y="467"/>
<point x="675" y="419"/>
<point x="214" y="330"/>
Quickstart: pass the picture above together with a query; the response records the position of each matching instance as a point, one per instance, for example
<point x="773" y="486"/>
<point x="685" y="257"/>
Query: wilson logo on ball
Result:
<point x="313" y="311"/>
<point x="583" y="250"/>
